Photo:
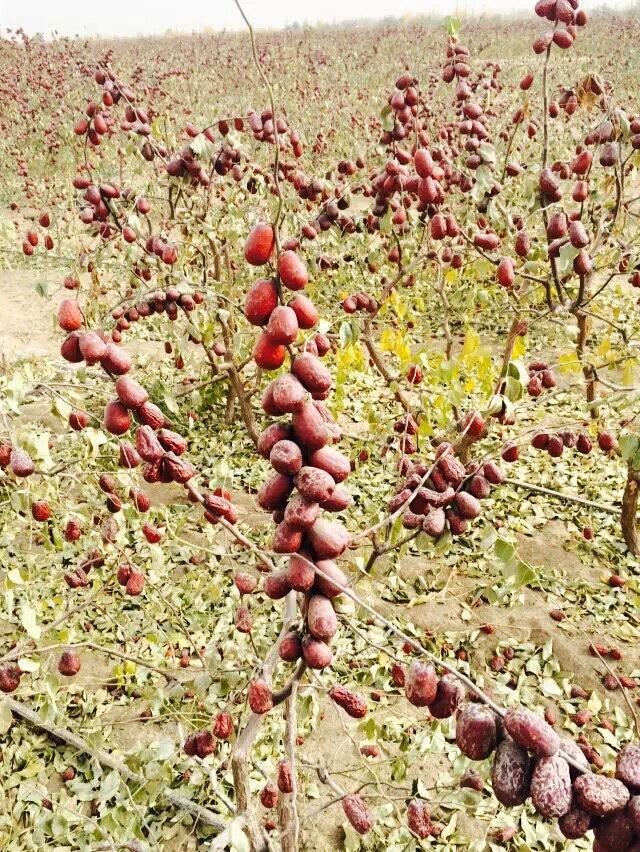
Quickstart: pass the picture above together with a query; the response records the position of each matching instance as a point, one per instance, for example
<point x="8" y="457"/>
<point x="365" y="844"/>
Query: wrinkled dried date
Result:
<point x="599" y="795"/>
<point x="531" y="732"/>
<point x="511" y="773"/>
<point x="551" y="786"/>
<point x="476" y="732"/>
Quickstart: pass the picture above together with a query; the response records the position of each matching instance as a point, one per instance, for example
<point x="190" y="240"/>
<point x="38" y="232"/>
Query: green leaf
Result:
<point x="628" y="446"/>
<point x="488" y="153"/>
<point x="345" y="334"/>
<point x="385" y="222"/>
<point x="387" y="118"/>
<point x="96" y="438"/>
<point x="157" y="556"/>
<point x="42" y="289"/>
<point x="484" y="182"/>
<point x="165" y="750"/>
<point x="489" y="539"/>
<point x="550" y="688"/>
<point x="609" y="738"/>
<point x="110" y="786"/>
<point x="513" y="389"/>
<point x="61" y="407"/>
<point x="518" y="371"/>
<point x="443" y="543"/>
<point x="594" y="704"/>
<point x="238" y="839"/>
<point x="29" y="622"/>
<point x="343" y="605"/>
<point x="495" y="405"/>
<point x="199" y="145"/>
<point x="452" y="25"/>
<point x="565" y="259"/>
<point x="625" y="124"/>
<point x="504" y="550"/>
<point x="520" y="572"/>
<point x="13" y="393"/>
<point x="369" y="728"/>
<point x="6" y="717"/>
<point x="170" y="402"/>
<point x="399" y="769"/>
<point x="525" y="575"/>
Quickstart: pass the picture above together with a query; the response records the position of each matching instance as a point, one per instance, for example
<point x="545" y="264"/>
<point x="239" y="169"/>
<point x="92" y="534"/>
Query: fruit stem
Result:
<point x="545" y="157"/>
<point x="545" y="106"/>
<point x="272" y="103"/>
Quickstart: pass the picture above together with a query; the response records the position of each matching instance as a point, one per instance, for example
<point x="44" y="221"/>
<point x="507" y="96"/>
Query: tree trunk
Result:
<point x="230" y="406"/>
<point x="244" y="403"/>
<point x="629" y="510"/>
<point x="587" y="370"/>
<point x="240" y="770"/>
<point x="583" y="332"/>
<point x="508" y="351"/>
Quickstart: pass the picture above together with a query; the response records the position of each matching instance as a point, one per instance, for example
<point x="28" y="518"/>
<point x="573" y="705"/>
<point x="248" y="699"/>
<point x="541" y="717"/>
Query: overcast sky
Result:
<point x="133" y="17"/>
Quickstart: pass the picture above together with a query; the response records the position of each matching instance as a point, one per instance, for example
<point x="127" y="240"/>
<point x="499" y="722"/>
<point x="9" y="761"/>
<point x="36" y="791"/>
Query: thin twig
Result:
<point x="111" y="762"/>
<point x="568" y="498"/>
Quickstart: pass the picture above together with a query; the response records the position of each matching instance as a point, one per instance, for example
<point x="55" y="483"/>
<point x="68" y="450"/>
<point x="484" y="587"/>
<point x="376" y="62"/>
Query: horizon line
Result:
<point x="602" y="10"/>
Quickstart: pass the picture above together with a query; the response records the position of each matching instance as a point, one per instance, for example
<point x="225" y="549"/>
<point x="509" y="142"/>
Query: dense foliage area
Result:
<point x="319" y="503"/>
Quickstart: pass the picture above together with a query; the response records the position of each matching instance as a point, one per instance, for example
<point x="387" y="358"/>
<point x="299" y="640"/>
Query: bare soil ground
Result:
<point x="28" y="319"/>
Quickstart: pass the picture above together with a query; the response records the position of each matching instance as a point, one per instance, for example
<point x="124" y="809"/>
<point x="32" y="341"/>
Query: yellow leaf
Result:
<point x="440" y="403"/>
<point x="628" y="373"/>
<point x="394" y="300"/>
<point x="604" y="347"/>
<point x="425" y="429"/>
<point x="419" y="600"/>
<point x="394" y="341"/>
<point x="471" y="343"/>
<point x="519" y="347"/>
<point x="569" y="363"/>
<point x="386" y="340"/>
